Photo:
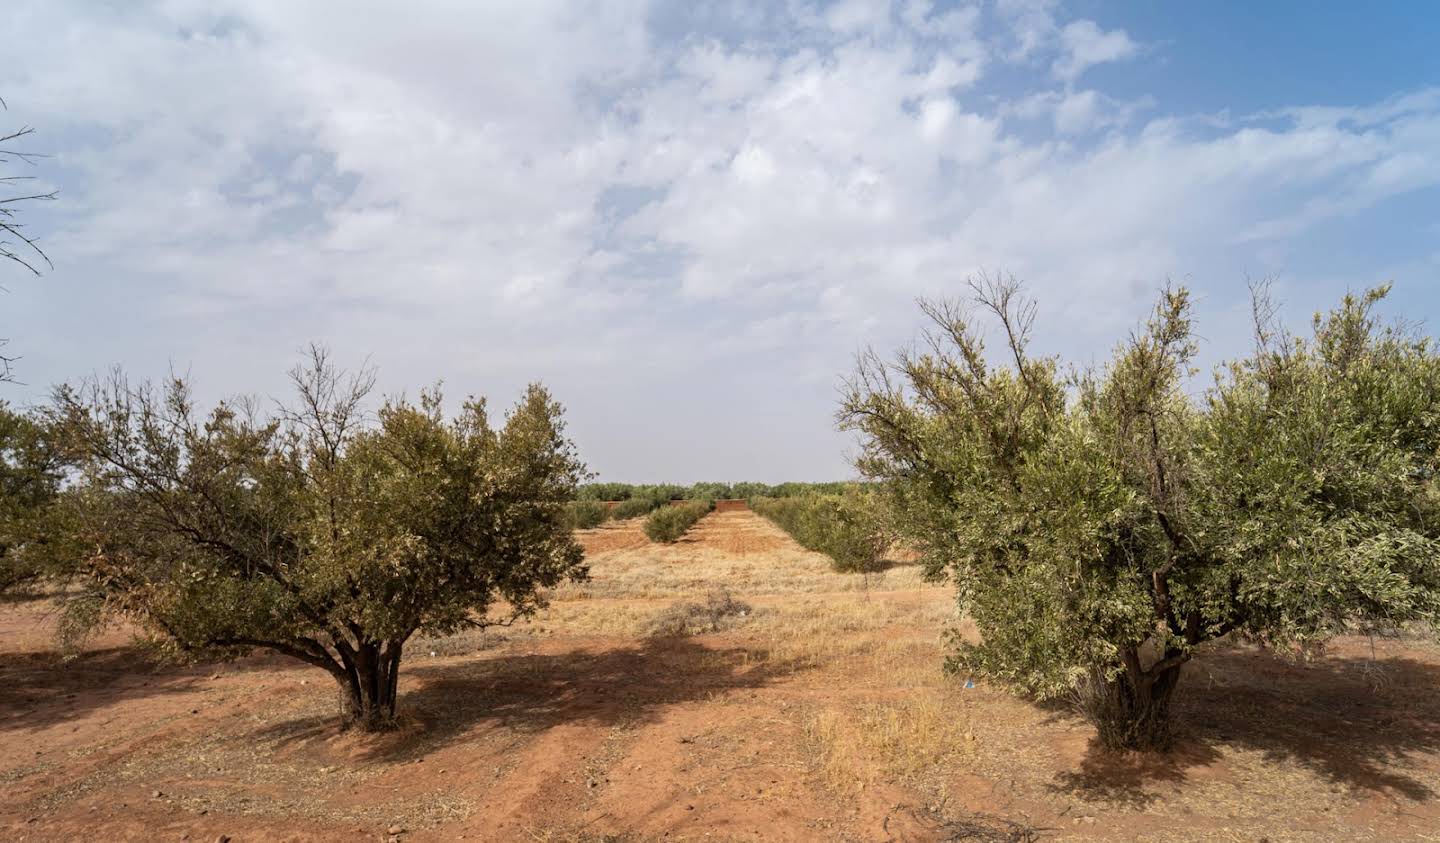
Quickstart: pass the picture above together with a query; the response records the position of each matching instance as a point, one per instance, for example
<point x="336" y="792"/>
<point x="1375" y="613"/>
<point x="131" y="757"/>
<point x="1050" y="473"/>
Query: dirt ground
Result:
<point x="820" y="713"/>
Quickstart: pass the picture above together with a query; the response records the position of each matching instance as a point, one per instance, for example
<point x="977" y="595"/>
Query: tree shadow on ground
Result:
<point x="1353" y="721"/>
<point x="23" y="597"/>
<point x="1128" y="778"/>
<point x="628" y="684"/>
<point x="916" y="823"/>
<point x="38" y="690"/>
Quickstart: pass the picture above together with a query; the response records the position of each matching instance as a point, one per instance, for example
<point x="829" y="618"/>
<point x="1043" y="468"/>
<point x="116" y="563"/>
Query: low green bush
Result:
<point x="634" y="507"/>
<point x="669" y="523"/>
<point x="587" y="514"/>
<point x="850" y="528"/>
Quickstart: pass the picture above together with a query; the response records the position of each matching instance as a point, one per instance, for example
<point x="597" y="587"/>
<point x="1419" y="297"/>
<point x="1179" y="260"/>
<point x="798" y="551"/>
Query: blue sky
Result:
<point x="1259" y="56"/>
<point x="686" y="218"/>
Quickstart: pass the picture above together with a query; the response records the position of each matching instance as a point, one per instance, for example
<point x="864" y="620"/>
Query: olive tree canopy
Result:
<point x="316" y="531"/>
<point x="1100" y="526"/>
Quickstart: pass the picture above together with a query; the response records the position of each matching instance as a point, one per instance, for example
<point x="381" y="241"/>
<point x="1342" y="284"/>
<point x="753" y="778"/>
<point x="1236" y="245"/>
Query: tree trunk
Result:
<point x="369" y="685"/>
<point x="1131" y="711"/>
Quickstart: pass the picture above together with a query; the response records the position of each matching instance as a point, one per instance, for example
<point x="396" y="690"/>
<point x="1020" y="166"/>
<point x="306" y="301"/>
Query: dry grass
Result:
<point x="900" y="720"/>
<point x="734" y="550"/>
<point x="823" y="714"/>
<point x="910" y="739"/>
<point x="717" y="612"/>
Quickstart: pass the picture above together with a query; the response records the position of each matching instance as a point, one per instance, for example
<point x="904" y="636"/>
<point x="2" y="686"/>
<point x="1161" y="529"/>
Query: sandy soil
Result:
<point x="820" y="714"/>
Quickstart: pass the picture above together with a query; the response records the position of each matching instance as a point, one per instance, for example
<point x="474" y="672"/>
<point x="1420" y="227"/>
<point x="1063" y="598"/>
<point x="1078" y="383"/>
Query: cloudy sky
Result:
<point x="686" y="217"/>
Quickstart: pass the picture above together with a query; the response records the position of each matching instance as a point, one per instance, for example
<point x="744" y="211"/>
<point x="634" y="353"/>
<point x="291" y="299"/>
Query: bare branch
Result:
<point x="15" y="244"/>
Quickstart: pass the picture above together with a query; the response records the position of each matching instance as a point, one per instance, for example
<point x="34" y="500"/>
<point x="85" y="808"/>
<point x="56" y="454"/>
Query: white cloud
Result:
<point x="1031" y="25"/>
<point x="936" y="115"/>
<point x="753" y="165"/>
<point x="858" y="16"/>
<point x="1073" y="112"/>
<point x="1086" y="45"/>
<point x="495" y="192"/>
<point x="1034" y="32"/>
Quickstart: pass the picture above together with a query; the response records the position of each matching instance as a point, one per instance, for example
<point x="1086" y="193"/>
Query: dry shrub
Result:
<point x="719" y="611"/>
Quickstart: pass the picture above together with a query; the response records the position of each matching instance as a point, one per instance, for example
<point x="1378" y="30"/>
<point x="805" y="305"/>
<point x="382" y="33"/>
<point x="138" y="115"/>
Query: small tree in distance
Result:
<point x="314" y="533"/>
<point x="1100" y="527"/>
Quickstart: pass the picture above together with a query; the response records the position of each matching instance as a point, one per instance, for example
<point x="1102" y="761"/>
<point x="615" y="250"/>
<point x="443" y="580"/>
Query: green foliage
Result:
<point x="605" y="492"/>
<point x="33" y="533"/>
<point x="1100" y="527"/>
<point x="748" y="490"/>
<point x="585" y="514"/>
<point x="851" y="528"/>
<point x="658" y="493"/>
<point x="317" y="535"/>
<point x="708" y="491"/>
<point x="635" y="507"/>
<point x="791" y="490"/>
<point x="668" y="523"/>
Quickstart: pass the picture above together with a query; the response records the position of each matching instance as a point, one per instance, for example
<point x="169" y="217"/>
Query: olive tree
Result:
<point x="315" y="530"/>
<point x="850" y="528"/>
<point x="31" y="528"/>
<point x="1101" y="525"/>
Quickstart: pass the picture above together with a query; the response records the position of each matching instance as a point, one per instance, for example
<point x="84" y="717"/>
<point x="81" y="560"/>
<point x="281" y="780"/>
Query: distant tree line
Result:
<point x="705" y="491"/>
<point x="596" y="503"/>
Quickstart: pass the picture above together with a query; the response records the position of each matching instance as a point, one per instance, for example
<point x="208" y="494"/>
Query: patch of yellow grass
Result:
<point x="819" y="631"/>
<point x="907" y="739"/>
<point x="814" y="630"/>
<point x="628" y="619"/>
<point x="682" y="570"/>
<point x="739" y="551"/>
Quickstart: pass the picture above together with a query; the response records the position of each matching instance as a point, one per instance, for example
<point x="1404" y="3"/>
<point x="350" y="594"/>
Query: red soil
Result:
<point x="583" y="737"/>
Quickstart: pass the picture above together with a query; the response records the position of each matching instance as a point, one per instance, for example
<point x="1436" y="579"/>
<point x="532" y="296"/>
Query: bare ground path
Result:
<point x="821" y="715"/>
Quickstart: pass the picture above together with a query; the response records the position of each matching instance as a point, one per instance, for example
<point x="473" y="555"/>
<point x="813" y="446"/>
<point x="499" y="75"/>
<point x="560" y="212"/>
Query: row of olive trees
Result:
<point x="852" y="528"/>
<point x="668" y="523"/>
<point x="317" y="531"/>
<point x="1101" y="526"/>
<point x="704" y="490"/>
<point x="597" y="503"/>
<point x="590" y="510"/>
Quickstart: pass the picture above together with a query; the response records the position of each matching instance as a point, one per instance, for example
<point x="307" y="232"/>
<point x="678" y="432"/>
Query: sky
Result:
<point x="686" y="218"/>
